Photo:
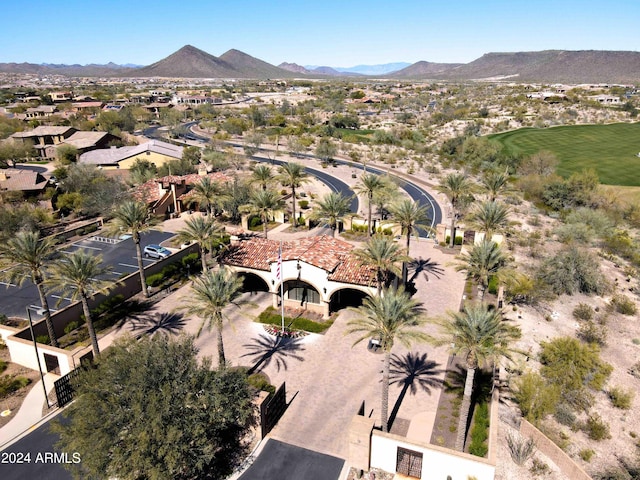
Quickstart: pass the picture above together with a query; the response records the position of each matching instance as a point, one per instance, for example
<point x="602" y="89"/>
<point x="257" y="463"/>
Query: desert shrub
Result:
<point x="538" y="467"/>
<point x="480" y="431"/>
<point x="520" y="448"/>
<point x="592" y="332"/>
<point x="621" y="398"/>
<point x="3" y="366"/>
<point x="44" y="339"/>
<point x="155" y="279"/>
<point x="627" y="470"/>
<point x="3" y="319"/>
<point x="11" y="383"/>
<point x="71" y="326"/>
<point x="458" y="240"/>
<point x="623" y="304"/>
<point x="564" y="415"/>
<point x="255" y="222"/>
<point x="635" y="370"/>
<point x="573" y="270"/>
<point x="574" y="232"/>
<point x="108" y="305"/>
<point x="596" y="428"/>
<point x="586" y="454"/>
<point x="583" y="311"/>
<point x="304" y="204"/>
<point x="191" y="263"/>
<point x="259" y="381"/>
<point x="597" y="220"/>
<point x="536" y="397"/>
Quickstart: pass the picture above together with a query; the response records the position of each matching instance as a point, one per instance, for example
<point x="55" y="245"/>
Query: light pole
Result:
<point x="35" y="346"/>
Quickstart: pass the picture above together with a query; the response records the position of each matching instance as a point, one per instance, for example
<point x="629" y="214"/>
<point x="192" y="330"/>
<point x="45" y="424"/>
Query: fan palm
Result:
<point x="211" y="293"/>
<point x="77" y="276"/>
<point x="481" y="336"/>
<point x="411" y="218"/>
<point x="202" y="230"/>
<point x="387" y="318"/>
<point x="293" y="175"/>
<point x="495" y="183"/>
<point x="489" y="217"/>
<point x="133" y="217"/>
<point x="207" y="193"/>
<point x="262" y="175"/>
<point x="333" y="207"/>
<point x="264" y="203"/>
<point x="369" y="184"/>
<point x="382" y="253"/>
<point x="457" y="187"/>
<point x="25" y="256"/>
<point x="484" y="260"/>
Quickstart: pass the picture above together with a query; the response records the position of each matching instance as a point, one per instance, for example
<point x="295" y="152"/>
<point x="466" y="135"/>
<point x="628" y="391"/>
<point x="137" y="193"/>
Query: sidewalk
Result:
<point x="30" y="413"/>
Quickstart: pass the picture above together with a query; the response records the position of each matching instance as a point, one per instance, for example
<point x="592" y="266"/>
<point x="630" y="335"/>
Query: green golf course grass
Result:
<point x="609" y="149"/>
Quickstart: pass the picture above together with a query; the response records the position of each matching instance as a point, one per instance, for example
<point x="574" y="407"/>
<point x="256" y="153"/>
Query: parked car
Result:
<point x="156" y="251"/>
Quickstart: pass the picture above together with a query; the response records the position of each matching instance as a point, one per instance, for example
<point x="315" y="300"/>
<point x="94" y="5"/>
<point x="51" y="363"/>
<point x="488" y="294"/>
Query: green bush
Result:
<point x="573" y="270"/>
<point x="623" y="304"/>
<point x="536" y="397"/>
<point x="458" y="240"/>
<point x="493" y="285"/>
<point x="586" y="454"/>
<point x="591" y="332"/>
<point x="583" y="311"/>
<point x="596" y="428"/>
<point x="11" y="383"/>
<point x="259" y="381"/>
<point x="564" y="415"/>
<point x="480" y="431"/>
<point x="71" y="326"/>
<point x="255" y="222"/>
<point x="3" y="319"/>
<point x="3" y="366"/>
<point x="304" y="204"/>
<point x="191" y="263"/>
<point x="44" y="339"/>
<point x="155" y="279"/>
<point x="108" y="305"/>
<point x="387" y="231"/>
<point x="91" y="228"/>
<point x="621" y="398"/>
<point x="271" y="316"/>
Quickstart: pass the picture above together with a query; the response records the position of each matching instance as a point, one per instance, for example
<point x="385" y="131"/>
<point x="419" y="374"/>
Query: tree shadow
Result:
<point x="167" y="323"/>
<point x="415" y="373"/>
<point x="266" y="350"/>
<point x="427" y="267"/>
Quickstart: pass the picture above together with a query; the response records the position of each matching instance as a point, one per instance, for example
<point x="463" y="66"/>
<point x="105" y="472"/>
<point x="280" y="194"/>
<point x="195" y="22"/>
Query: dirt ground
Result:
<point x="13" y="401"/>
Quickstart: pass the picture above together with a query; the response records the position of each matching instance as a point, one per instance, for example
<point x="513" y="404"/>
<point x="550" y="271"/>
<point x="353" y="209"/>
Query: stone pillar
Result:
<point x="244" y="220"/>
<point x="360" y="442"/>
<point x="325" y="310"/>
<point x="441" y="232"/>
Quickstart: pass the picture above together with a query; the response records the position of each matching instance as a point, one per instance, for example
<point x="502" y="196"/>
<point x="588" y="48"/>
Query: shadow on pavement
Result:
<point x="266" y="350"/>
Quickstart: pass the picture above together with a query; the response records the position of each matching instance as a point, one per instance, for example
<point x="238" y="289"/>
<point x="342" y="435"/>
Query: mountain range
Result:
<point x="552" y="66"/>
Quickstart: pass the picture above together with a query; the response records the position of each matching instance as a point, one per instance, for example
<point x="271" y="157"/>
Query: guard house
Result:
<point x="320" y="274"/>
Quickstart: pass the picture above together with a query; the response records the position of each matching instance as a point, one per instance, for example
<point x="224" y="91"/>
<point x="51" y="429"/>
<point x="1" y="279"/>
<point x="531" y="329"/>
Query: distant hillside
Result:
<point x="381" y="69"/>
<point x="553" y="66"/>
<point x="91" y="70"/>
<point x="293" y="67"/>
<point x="252" y="67"/>
<point x="424" y="70"/>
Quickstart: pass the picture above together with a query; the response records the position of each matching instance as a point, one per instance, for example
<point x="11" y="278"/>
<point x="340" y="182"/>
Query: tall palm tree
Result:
<point x="369" y="184"/>
<point x="77" y="276"/>
<point x="133" y="217"/>
<point x="387" y="318"/>
<point x="495" y="183"/>
<point x="489" y="217"/>
<point x="333" y="207"/>
<point x="25" y="256"/>
<point x="411" y="217"/>
<point x="207" y="193"/>
<point x="482" y="337"/>
<point x="202" y="230"/>
<point x="457" y="187"/>
<point x="484" y="260"/>
<point x="264" y="203"/>
<point x="293" y="175"/>
<point x="211" y="293"/>
<point x="382" y="253"/>
<point x="262" y="175"/>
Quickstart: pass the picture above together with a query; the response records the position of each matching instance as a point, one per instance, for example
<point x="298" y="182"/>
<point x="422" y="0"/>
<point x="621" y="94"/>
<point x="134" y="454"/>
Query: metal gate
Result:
<point x="64" y="387"/>
<point x="409" y="463"/>
<point x="272" y="409"/>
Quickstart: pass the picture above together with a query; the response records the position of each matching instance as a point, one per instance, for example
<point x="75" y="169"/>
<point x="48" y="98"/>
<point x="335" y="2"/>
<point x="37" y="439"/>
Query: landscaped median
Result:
<point x="294" y="326"/>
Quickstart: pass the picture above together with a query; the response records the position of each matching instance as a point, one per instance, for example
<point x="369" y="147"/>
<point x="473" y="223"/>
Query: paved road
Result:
<point x="121" y="257"/>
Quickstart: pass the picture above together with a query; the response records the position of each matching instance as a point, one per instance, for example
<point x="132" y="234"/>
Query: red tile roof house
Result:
<point x="320" y="274"/>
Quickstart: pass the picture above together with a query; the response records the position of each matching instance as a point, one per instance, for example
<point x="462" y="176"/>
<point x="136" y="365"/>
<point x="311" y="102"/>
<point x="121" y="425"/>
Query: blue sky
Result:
<point x="328" y="32"/>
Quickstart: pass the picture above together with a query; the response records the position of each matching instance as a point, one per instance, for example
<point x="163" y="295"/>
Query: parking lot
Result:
<point x="119" y="256"/>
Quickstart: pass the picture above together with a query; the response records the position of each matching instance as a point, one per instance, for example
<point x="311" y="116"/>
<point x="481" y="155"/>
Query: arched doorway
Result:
<point x="253" y="282"/>
<point x="346" y="297"/>
<point x="301" y="294"/>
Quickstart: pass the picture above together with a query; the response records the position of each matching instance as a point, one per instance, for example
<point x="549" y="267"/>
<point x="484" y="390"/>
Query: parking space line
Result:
<point x="8" y="284"/>
<point x="86" y="246"/>
<point x="127" y="265"/>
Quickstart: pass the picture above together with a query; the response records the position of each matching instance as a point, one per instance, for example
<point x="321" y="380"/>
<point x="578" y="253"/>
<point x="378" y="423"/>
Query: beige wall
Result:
<point x="156" y="158"/>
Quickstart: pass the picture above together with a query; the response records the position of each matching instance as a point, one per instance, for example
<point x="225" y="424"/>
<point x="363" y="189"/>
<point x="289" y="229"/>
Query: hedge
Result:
<point x="271" y="316"/>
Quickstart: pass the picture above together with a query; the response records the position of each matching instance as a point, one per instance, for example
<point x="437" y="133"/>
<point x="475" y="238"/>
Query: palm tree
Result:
<point x="484" y="260"/>
<point x="387" y="318"/>
<point x="382" y="253"/>
<point x="77" y="276"/>
<point x="202" y="230"/>
<point x="495" y="183"/>
<point x="25" y="256"/>
<point x="207" y="194"/>
<point x="133" y="217"/>
<point x="212" y="292"/>
<point x="482" y="337"/>
<point x="411" y="218"/>
<point x="369" y="184"/>
<point x="293" y="175"/>
<point x="262" y="175"/>
<point x="333" y="207"/>
<point x="457" y="187"/>
<point x="264" y="203"/>
<point x="489" y="217"/>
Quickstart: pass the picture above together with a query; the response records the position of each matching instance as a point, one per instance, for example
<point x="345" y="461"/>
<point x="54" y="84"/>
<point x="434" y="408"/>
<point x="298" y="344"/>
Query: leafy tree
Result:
<point x="326" y="150"/>
<point x="262" y="175"/>
<point x="542" y="164"/>
<point x="236" y="195"/>
<point x="574" y="367"/>
<point x="252" y="143"/>
<point x="457" y="187"/>
<point x="133" y="217"/>
<point x="483" y="337"/>
<point x="573" y="270"/>
<point x="383" y="254"/>
<point x="383" y="197"/>
<point x="296" y="145"/>
<point x="98" y="192"/>
<point x="333" y="207"/>
<point x="390" y="317"/>
<point x="215" y="161"/>
<point x="479" y="151"/>
<point x="66" y="154"/>
<point x="12" y="152"/>
<point x="77" y="276"/>
<point x="26" y="256"/>
<point x="161" y="414"/>
<point x="293" y="175"/>
<point x="142" y="171"/>
<point x="211" y="294"/>
<point x="489" y="217"/>
<point x="202" y="230"/>
<point x="264" y="203"/>
<point x="536" y="397"/>
<point x="369" y="184"/>
<point x="191" y="155"/>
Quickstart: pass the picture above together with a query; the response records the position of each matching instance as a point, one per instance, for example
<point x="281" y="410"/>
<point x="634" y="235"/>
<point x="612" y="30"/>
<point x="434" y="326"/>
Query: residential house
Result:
<point x="28" y="182"/>
<point x="47" y="139"/>
<point x="61" y="96"/>
<point x="155" y="151"/>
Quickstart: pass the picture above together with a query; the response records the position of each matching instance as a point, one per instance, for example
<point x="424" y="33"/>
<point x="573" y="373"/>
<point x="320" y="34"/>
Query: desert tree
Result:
<point x="293" y="175"/>
<point x="457" y="187"/>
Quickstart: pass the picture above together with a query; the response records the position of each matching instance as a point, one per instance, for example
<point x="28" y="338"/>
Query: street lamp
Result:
<point x="35" y="346"/>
